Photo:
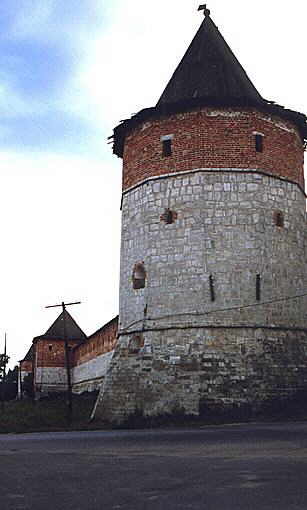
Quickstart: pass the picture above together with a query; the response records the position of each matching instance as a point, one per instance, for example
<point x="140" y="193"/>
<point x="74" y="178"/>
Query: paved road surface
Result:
<point x="230" y="467"/>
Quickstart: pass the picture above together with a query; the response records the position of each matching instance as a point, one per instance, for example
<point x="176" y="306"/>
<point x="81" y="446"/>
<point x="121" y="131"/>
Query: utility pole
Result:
<point x="3" y="362"/>
<point x="67" y="361"/>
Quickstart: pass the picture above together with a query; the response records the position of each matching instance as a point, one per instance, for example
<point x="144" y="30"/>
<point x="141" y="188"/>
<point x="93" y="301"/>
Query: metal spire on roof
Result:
<point x="205" y="9"/>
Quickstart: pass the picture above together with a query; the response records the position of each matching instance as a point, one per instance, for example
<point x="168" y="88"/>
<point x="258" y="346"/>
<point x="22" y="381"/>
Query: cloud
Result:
<point x="120" y="75"/>
<point x="12" y="104"/>
<point x="51" y="19"/>
<point x="50" y="131"/>
<point x="43" y="46"/>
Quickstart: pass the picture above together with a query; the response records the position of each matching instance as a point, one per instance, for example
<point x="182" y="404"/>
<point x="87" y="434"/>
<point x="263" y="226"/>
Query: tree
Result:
<point x="9" y="385"/>
<point x="3" y="362"/>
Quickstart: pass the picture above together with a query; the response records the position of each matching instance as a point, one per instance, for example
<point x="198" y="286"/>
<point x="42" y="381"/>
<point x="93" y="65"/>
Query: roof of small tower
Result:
<point x="208" y="75"/>
<point x="56" y="330"/>
<point x="29" y="355"/>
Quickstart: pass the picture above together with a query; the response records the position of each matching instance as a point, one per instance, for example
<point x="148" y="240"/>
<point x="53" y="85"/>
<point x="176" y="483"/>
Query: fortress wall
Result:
<point x="225" y="228"/>
<point x="50" y="352"/>
<point x="99" y="343"/>
<point x="88" y="361"/>
<point x="89" y="375"/>
<point x="26" y="367"/>
<point x="214" y="138"/>
<point x="91" y="359"/>
<point x="50" y="379"/>
<point x="49" y="366"/>
<point x="180" y="350"/>
<point x="194" y="371"/>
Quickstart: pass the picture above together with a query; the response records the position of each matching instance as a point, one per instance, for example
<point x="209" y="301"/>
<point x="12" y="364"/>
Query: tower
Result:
<point x="213" y="266"/>
<point x="49" y="366"/>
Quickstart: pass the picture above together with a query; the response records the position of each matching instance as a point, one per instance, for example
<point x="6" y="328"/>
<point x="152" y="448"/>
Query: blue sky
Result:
<point x="47" y="44"/>
<point x="41" y="49"/>
<point x="70" y="70"/>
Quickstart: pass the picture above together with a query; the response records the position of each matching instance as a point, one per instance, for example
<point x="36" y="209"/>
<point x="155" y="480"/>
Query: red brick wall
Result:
<point x="26" y="366"/>
<point x="214" y="141"/>
<point x="99" y="343"/>
<point x="54" y="357"/>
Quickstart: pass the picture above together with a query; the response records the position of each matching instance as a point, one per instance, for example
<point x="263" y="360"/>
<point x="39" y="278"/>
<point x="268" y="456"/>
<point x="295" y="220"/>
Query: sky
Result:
<point x="69" y="72"/>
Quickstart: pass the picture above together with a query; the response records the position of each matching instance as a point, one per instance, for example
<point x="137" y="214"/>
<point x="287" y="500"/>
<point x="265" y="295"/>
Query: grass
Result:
<point x="46" y="415"/>
<point x="50" y="414"/>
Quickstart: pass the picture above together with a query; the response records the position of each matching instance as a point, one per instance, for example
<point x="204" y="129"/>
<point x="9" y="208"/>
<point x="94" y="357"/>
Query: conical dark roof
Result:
<point x="56" y="330"/>
<point x="29" y="355"/>
<point x="209" y="69"/>
<point x="208" y="75"/>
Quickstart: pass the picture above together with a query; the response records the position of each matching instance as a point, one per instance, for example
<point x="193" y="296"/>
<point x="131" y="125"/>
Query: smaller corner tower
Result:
<point x="48" y="352"/>
<point x="213" y="274"/>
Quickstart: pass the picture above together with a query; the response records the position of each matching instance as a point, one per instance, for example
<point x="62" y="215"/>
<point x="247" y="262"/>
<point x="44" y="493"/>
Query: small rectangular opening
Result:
<point x="259" y="143"/>
<point x="258" y="287"/>
<point x="167" y="148"/>
<point x="168" y="216"/>
<point x="212" y="292"/>
<point x="278" y="218"/>
<point x="139" y="276"/>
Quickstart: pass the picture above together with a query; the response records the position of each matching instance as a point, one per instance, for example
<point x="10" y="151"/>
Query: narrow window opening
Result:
<point x="243" y="349"/>
<point x="278" y="219"/>
<point x="258" y="287"/>
<point x="259" y="143"/>
<point x="50" y="347"/>
<point x="167" y="148"/>
<point x="168" y="216"/>
<point x="135" y="344"/>
<point x="139" y="276"/>
<point x="212" y="291"/>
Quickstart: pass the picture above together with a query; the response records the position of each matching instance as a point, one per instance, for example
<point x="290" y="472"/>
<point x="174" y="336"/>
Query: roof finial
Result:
<point x="205" y="9"/>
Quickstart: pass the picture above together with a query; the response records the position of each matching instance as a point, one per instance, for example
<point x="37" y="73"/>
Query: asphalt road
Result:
<point x="228" y="467"/>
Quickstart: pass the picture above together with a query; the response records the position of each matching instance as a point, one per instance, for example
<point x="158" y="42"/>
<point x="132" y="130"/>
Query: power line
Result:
<point x="198" y="314"/>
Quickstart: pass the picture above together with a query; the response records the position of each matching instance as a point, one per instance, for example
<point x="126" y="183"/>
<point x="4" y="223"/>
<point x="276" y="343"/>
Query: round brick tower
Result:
<point x="213" y="265"/>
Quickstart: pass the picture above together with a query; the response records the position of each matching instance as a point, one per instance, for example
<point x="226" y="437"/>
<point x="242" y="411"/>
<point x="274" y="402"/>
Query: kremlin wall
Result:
<point x="212" y="302"/>
<point x="89" y="358"/>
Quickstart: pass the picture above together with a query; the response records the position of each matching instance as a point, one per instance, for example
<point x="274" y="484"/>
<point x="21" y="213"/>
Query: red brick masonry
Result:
<point x="51" y="352"/>
<point x="212" y="138"/>
<point x="26" y="366"/>
<point x="100" y="342"/>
